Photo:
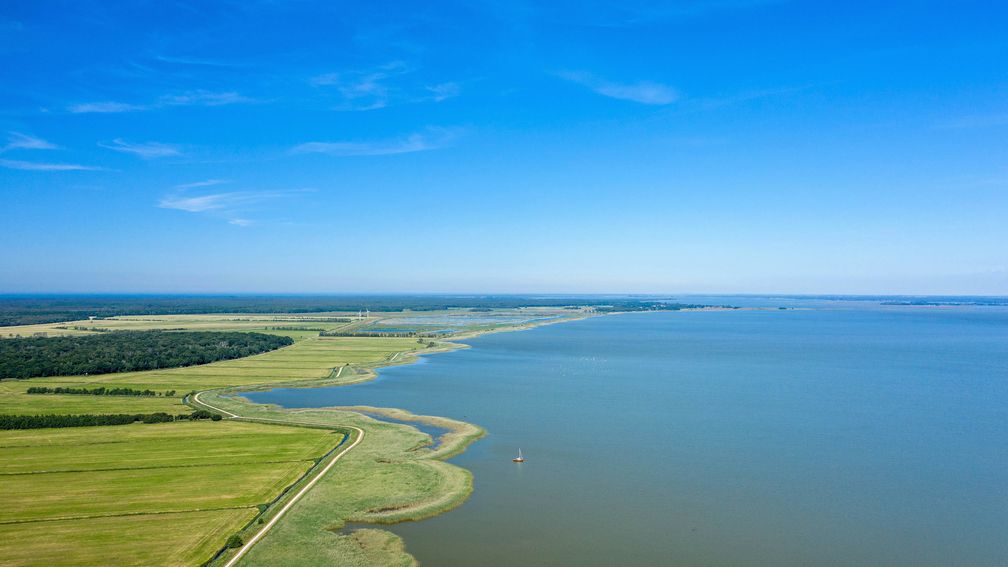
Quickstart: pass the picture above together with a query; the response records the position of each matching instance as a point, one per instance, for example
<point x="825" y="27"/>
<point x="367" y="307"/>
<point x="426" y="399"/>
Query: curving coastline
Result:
<point x="415" y="482"/>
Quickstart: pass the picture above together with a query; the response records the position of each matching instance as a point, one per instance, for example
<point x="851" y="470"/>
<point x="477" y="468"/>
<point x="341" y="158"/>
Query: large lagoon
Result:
<point x="846" y="434"/>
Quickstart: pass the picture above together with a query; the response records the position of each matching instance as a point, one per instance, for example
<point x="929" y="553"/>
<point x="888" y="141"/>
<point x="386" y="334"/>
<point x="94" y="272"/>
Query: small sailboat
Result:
<point x="519" y="458"/>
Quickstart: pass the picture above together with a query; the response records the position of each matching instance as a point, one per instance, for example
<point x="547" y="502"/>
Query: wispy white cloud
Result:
<point x="211" y="202"/>
<point x="746" y="96"/>
<point x="325" y="80"/>
<point x="193" y="61"/>
<point x="107" y="107"/>
<point x="363" y="90"/>
<point x="145" y="150"/>
<point x="381" y="86"/>
<point x="443" y="91"/>
<point x="417" y="142"/>
<point x="644" y="92"/>
<point x="189" y="98"/>
<point x="203" y="98"/>
<point x="19" y="141"/>
<point x="38" y="166"/>
<point x="362" y="81"/>
<point x="232" y="206"/>
<point x="205" y="183"/>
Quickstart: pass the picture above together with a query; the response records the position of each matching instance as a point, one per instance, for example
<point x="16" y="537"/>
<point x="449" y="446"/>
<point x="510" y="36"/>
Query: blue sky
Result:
<point x="705" y="146"/>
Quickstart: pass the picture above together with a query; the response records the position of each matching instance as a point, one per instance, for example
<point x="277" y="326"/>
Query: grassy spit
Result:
<point x="393" y="475"/>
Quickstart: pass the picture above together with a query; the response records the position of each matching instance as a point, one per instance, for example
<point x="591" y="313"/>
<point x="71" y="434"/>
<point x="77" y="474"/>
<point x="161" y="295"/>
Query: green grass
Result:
<point x="176" y="444"/>
<point x="144" y="479"/>
<point x="211" y="322"/>
<point x="147" y="490"/>
<point x="184" y="539"/>
<point x="311" y="358"/>
<point x="14" y="400"/>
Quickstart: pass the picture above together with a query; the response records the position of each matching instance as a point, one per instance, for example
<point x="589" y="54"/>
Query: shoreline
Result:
<point x="428" y="452"/>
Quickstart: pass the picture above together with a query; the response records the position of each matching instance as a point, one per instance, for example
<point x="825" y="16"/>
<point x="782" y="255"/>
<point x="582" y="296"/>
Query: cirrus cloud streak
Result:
<point x="643" y="92"/>
<point x="416" y="142"/>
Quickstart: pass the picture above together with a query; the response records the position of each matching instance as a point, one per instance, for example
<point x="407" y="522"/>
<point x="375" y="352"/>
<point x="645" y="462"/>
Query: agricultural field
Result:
<point x="159" y="488"/>
<point x="166" y="494"/>
<point x="214" y="322"/>
<point x="173" y="493"/>
<point x="310" y="358"/>
<point x="295" y="325"/>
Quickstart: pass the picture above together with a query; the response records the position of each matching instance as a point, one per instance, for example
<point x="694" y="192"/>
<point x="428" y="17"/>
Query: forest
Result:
<point x="127" y="351"/>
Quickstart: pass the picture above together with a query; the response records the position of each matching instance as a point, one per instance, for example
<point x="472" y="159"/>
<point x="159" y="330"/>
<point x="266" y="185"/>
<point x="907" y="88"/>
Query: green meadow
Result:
<point x="175" y="479"/>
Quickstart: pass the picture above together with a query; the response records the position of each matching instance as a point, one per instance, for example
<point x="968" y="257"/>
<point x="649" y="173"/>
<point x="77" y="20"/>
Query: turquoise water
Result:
<point x="853" y="436"/>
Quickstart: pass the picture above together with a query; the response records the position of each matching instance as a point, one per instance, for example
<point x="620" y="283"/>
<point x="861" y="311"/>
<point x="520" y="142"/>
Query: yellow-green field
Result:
<point x="309" y="358"/>
<point x="172" y="492"/>
<point x="209" y="322"/>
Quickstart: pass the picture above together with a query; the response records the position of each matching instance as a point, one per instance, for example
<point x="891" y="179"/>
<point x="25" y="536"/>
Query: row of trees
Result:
<point x="102" y="391"/>
<point x="127" y="351"/>
<point x="90" y="420"/>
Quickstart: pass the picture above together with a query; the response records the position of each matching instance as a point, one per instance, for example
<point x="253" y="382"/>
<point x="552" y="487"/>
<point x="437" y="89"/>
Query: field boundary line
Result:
<point x="121" y="515"/>
<point x="157" y="467"/>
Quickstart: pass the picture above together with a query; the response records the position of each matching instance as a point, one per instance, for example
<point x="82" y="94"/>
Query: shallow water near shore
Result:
<point x="862" y="435"/>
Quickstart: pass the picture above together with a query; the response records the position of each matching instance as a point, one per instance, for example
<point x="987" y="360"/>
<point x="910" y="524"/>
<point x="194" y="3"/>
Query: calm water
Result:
<point x="855" y="436"/>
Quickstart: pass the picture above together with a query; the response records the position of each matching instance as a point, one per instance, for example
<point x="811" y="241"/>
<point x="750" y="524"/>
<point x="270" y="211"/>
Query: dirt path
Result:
<point x="304" y="489"/>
